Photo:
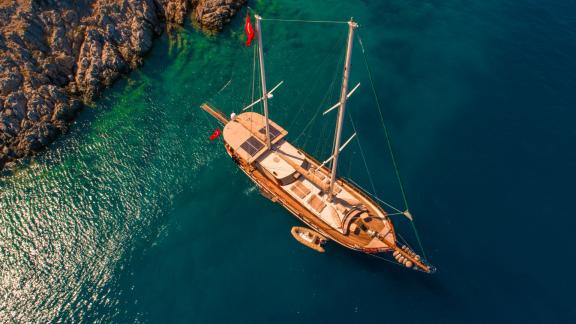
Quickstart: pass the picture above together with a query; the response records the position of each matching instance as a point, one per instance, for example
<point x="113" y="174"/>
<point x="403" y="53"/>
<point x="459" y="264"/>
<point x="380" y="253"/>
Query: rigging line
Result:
<point x="405" y="242"/>
<point x="307" y="21"/>
<point x="348" y="174"/>
<point x="325" y="150"/>
<point x="374" y="196"/>
<point x="387" y="204"/>
<point x="389" y="142"/>
<point x="318" y="143"/>
<point x="327" y="95"/>
<point x="253" y="73"/>
<point x="362" y="153"/>
<point x="312" y="120"/>
<point x="334" y="137"/>
<point x="254" y="80"/>
<point x="323" y="144"/>
<point x="325" y="126"/>
<point x="318" y="73"/>
<point x="312" y="89"/>
<point x="377" y="256"/>
<point x="385" y="259"/>
<point x="259" y="83"/>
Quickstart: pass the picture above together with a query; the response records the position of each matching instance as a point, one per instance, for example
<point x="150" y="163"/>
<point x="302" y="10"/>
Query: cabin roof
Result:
<point x="276" y="165"/>
<point x="246" y="135"/>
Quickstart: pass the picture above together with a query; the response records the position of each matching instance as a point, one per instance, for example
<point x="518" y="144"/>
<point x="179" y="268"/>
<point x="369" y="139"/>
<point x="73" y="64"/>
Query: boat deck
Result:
<point x="359" y="241"/>
<point x="298" y="182"/>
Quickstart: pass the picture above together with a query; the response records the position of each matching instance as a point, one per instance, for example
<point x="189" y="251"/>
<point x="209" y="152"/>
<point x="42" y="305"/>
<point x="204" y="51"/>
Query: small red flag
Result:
<point x="249" y="31"/>
<point x="215" y="134"/>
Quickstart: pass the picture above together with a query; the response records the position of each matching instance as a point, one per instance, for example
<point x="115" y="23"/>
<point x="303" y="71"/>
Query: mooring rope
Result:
<point x="389" y="144"/>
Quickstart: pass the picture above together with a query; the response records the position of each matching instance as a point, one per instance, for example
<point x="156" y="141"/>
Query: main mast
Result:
<point x="263" y="78"/>
<point x="343" y="93"/>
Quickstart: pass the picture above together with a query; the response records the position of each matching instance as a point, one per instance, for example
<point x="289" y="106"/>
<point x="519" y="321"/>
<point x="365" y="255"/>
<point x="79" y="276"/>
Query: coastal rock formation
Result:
<point x="56" y="55"/>
<point x="213" y="14"/>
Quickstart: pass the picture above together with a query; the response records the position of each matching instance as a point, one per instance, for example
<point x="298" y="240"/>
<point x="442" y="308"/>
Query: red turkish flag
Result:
<point x="215" y="134"/>
<point x="249" y="30"/>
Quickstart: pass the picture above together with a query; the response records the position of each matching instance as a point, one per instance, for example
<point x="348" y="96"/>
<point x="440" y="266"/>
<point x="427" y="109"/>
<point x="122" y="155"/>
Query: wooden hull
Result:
<point x="277" y="194"/>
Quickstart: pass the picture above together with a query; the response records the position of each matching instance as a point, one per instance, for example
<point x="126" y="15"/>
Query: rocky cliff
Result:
<point x="56" y="55"/>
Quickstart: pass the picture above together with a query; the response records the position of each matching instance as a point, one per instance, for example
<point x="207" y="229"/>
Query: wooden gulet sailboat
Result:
<point x="335" y="208"/>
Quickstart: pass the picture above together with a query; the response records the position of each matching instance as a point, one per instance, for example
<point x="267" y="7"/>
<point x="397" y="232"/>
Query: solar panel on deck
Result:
<point x="273" y="132"/>
<point x="252" y="145"/>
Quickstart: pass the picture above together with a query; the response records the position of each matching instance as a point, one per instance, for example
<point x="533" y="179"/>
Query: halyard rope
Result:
<point x="389" y="143"/>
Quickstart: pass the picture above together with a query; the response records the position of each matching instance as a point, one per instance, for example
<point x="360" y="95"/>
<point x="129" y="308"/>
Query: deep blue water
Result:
<point x="134" y="216"/>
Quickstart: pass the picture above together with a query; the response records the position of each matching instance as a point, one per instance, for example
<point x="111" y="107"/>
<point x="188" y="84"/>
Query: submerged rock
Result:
<point x="56" y="54"/>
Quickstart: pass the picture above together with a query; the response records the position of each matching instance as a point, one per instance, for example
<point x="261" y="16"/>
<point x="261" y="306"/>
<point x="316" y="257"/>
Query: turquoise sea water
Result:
<point x="134" y="216"/>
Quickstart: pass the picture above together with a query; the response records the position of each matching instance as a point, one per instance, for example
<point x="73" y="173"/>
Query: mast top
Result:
<point x="352" y="23"/>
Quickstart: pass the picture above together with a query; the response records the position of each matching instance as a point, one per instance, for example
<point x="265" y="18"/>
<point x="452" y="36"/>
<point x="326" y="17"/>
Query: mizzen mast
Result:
<point x="343" y="96"/>
<point x="263" y="78"/>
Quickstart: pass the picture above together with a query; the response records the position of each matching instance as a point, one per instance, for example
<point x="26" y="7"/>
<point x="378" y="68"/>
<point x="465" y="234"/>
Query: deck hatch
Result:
<point x="274" y="132"/>
<point x="252" y="145"/>
<point x="316" y="203"/>
<point x="300" y="189"/>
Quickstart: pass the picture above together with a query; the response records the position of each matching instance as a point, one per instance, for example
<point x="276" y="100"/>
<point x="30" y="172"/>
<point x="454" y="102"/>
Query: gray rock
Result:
<point x="10" y="81"/>
<point x="213" y="14"/>
<point x="57" y="54"/>
<point x="16" y="102"/>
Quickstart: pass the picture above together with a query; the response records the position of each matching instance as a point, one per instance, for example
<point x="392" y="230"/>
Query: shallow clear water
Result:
<point x="134" y="216"/>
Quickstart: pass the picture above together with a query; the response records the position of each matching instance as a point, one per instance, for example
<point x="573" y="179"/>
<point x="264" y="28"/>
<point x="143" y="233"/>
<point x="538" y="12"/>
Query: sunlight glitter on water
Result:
<point x="136" y="216"/>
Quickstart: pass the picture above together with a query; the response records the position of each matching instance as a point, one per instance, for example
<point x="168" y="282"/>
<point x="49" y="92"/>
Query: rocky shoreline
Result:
<point x="56" y="55"/>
